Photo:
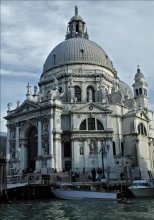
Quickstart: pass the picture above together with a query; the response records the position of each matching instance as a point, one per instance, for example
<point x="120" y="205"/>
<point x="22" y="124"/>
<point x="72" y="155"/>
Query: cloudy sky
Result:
<point x="31" y="29"/>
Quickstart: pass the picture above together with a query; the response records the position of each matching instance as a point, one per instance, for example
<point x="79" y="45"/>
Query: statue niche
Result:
<point x="93" y="148"/>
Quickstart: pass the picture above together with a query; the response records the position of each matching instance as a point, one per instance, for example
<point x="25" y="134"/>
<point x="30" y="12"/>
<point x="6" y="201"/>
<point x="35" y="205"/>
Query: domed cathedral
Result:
<point x="82" y="116"/>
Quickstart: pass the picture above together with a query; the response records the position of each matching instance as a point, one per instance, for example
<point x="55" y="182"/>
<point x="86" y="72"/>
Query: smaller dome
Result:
<point x="76" y="18"/>
<point x="139" y="77"/>
<point x="125" y="89"/>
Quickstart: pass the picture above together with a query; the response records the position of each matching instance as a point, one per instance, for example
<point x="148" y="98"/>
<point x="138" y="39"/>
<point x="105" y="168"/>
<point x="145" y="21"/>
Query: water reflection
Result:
<point x="74" y="210"/>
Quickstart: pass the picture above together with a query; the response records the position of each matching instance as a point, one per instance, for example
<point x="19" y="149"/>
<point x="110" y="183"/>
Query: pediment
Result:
<point x="90" y="107"/>
<point x="27" y="106"/>
<point x="139" y="113"/>
<point x="142" y="115"/>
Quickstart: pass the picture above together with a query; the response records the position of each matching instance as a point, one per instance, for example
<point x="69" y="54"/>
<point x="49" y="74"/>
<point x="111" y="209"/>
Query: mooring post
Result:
<point x="3" y="179"/>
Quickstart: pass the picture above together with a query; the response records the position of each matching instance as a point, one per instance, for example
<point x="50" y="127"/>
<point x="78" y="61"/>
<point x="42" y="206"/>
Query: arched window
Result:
<point x="99" y="125"/>
<point x="122" y="148"/>
<point x="136" y="92"/>
<point x="91" y="124"/>
<point x="140" y="91"/>
<point x="77" y="93"/>
<point x="114" y="148"/>
<point x="90" y="94"/>
<point x="83" y="125"/>
<point x="145" y="92"/>
<point x="142" y="129"/>
<point x="77" y="28"/>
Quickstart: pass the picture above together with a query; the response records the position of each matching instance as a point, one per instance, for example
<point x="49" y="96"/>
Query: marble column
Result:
<point x="8" y="149"/>
<point x="17" y="149"/>
<point x="50" y="161"/>
<point x="24" y="155"/>
<point x="17" y="137"/>
<point x="51" y="136"/>
<point x="99" y="157"/>
<point x="39" y="152"/>
<point x="109" y="156"/>
<point x="76" y="154"/>
<point x="58" y="155"/>
<point x="72" y="148"/>
<point x="86" y="154"/>
<point x="84" y="92"/>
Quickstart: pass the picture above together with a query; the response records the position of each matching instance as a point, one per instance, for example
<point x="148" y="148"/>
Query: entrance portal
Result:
<point x="67" y="156"/>
<point x="32" y="147"/>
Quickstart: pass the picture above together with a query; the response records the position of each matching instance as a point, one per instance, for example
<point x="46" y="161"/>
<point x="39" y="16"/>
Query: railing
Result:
<point x="17" y="181"/>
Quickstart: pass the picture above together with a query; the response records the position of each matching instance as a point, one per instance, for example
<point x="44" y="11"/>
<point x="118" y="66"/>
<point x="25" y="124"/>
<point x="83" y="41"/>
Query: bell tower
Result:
<point x="140" y="89"/>
<point x="76" y="27"/>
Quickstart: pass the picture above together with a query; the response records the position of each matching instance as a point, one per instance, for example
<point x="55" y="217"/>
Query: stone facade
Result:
<point x="82" y="116"/>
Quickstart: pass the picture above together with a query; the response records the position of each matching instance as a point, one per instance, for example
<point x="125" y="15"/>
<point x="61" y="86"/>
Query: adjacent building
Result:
<point x="81" y="115"/>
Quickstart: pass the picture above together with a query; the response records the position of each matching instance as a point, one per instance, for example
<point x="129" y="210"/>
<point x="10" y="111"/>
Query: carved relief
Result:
<point x="93" y="148"/>
<point x="81" y="149"/>
<point x="33" y="122"/>
<point x="45" y="145"/>
<point x="12" y="133"/>
<point x="44" y="163"/>
<point x="45" y="125"/>
<point x="12" y="151"/>
<point x="65" y="139"/>
<point x="70" y="79"/>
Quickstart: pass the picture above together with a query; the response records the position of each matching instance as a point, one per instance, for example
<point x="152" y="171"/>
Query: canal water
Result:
<point x="77" y="210"/>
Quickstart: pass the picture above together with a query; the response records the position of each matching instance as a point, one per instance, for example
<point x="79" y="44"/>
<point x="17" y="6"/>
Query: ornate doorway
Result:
<point x="32" y="147"/>
<point x="67" y="155"/>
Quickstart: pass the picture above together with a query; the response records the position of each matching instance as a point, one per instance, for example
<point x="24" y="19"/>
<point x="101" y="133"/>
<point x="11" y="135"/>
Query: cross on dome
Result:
<point x="138" y="68"/>
<point x="76" y="10"/>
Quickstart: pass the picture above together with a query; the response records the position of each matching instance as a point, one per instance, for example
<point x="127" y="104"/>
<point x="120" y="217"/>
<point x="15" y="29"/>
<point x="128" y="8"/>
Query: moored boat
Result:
<point x="74" y="192"/>
<point x="142" y="188"/>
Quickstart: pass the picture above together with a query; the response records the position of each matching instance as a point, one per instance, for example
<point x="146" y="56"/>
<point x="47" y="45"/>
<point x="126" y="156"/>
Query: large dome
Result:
<point x="77" y="51"/>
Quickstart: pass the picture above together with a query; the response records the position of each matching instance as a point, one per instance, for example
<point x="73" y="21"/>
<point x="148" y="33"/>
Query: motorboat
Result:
<point x="78" y="191"/>
<point x="142" y="188"/>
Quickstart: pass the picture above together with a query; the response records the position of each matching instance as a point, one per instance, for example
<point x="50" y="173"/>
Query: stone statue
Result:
<point x="18" y="104"/>
<point x="92" y="148"/>
<point x="75" y="100"/>
<point x="90" y="95"/>
<point x="29" y="93"/>
<point x="70" y="81"/>
<point x="55" y="84"/>
<point x="28" y="89"/>
<point x="71" y="90"/>
<point x="35" y="90"/>
<point x="50" y="93"/>
<point x="45" y="144"/>
<point x="101" y="81"/>
<point x="9" y="105"/>
<point x="45" y="126"/>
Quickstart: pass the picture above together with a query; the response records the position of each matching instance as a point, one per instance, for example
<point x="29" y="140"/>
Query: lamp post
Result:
<point x="104" y="150"/>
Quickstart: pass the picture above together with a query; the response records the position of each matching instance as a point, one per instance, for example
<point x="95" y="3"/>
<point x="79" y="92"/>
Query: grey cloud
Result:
<point x="31" y="29"/>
